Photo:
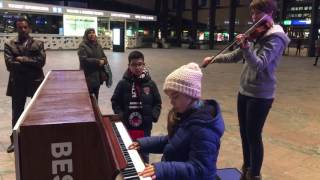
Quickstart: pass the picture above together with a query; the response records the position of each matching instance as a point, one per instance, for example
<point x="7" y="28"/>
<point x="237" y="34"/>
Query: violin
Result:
<point x="257" y="30"/>
<point x="260" y="30"/>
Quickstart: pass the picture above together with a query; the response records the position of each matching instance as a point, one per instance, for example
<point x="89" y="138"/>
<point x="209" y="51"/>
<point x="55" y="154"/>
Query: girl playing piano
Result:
<point x="191" y="148"/>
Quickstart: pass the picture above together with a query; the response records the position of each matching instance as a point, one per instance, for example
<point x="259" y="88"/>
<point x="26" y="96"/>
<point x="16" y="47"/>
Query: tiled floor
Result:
<point x="291" y="134"/>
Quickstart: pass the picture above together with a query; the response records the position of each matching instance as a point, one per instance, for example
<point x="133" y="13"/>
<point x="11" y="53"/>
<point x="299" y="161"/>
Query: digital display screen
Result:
<point x="301" y="22"/>
<point x="297" y="22"/>
<point x="116" y="36"/>
<point x="129" y="32"/>
<point x="201" y="36"/>
<point x="76" y="25"/>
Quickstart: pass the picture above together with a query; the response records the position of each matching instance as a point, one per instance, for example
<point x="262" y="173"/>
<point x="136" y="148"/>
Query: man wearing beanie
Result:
<point x="191" y="148"/>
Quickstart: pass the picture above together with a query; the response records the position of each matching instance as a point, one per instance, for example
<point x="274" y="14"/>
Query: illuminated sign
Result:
<point x="301" y="22"/>
<point x="86" y="12"/>
<point x="116" y="36"/>
<point x="57" y="9"/>
<point x="144" y="17"/>
<point x="28" y="7"/>
<point x="120" y="15"/>
<point x="92" y="12"/>
<point x="15" y="6"/>
<point x="76" y="25"/>
<point x="297" y="22"/>
<point x="287" y="22"/>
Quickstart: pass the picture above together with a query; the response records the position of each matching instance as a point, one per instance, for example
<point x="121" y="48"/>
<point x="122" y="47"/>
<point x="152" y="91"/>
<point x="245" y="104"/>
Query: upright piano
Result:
<point x="62" y="135"/>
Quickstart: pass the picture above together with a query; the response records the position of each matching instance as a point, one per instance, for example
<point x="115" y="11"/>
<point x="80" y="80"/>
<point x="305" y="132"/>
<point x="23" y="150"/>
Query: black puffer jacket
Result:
<point x="150" y="98"/>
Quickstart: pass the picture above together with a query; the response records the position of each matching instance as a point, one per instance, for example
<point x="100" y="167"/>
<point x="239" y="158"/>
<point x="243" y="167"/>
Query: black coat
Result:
<point x="25" y="77"/>
<point x="150" y="98"/>
<point x="89" y="57"/>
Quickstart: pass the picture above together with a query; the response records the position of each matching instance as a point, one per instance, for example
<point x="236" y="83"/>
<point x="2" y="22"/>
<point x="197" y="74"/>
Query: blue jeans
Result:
<point x="252" y="114"/>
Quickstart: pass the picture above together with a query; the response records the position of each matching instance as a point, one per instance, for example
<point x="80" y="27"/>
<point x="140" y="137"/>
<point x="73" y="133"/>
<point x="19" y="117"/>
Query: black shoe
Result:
<point x="249" y="176"/>
<point x="244" y="172"/>
<point x="10" y="149"/>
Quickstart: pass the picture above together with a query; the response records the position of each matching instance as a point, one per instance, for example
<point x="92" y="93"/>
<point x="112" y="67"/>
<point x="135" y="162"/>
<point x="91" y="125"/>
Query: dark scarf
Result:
<point x="135" y="119"/>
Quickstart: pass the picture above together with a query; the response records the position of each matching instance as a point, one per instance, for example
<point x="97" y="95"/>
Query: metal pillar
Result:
<point x="164" y="19"/>
<point x="313" y="28"/>
<point x="212" y="22"/>
<point x="157" y="8"/>
<point x="194" y="26"/>
<point x="232" y="19"/>
<point x="179" y="6"/>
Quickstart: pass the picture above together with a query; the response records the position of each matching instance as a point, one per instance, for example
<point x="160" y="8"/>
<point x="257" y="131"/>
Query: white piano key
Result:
<point x="134" y="155"/>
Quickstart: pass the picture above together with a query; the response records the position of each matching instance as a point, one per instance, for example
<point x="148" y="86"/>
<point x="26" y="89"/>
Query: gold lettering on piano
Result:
<point x="61" y="163"/>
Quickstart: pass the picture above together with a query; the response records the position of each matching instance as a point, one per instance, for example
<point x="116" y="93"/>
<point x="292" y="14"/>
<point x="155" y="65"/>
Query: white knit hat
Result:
<point x="186" y="80"/>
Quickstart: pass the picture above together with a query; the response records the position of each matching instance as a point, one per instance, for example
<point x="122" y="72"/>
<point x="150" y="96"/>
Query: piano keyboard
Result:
<point x="135" y="164"/>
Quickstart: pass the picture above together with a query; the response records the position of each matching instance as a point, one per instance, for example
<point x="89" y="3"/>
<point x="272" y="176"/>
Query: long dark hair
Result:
<point x="172" y="121"/>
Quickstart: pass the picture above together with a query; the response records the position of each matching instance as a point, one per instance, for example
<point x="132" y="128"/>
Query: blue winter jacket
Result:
<point x="192" y="152"/>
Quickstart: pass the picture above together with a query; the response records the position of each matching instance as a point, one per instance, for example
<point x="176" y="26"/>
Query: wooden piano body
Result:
<point x="57" y="136"/>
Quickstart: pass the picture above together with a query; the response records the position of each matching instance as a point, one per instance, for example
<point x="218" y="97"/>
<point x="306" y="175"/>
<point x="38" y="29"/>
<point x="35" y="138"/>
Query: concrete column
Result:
<point x="164" y="19"/>
<point x="282" y="10"/>
<point x="313" y="28"/>
<point x="179" y="6"/>
<point x="232" y="19"/>
<point x="157" y="8"/>
<point x="212" y="22"/>
<point x="194" y="27"/>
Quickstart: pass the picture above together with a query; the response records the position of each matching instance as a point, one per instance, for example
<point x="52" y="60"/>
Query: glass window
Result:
<point x="103" y="26"/>
<point x="42" y="24"/>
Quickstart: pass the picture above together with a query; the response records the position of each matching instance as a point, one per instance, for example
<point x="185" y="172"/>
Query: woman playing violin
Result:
<point x="262" y="54"/>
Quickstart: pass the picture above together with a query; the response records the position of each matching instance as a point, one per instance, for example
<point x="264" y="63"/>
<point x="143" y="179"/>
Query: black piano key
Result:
<point x="129" y="173"/>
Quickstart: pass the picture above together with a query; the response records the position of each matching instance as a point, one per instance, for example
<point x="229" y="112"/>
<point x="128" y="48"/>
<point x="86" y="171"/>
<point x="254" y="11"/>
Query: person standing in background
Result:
<point x="299" y="46"/>
<point x="94" y="62"/>
<point x="317" y="46"/>
<point x="24" y="58"/>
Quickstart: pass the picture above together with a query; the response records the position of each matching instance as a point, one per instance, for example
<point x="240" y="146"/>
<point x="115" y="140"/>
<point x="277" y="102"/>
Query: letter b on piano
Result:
<point x="61" y="164"/>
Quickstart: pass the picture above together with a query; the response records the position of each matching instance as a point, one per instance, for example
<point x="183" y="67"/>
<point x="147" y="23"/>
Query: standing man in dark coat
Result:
<point x="24" y="59"/>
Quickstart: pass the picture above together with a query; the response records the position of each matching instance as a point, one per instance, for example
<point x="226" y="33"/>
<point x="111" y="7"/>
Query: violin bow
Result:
<point x="234" y="42"/>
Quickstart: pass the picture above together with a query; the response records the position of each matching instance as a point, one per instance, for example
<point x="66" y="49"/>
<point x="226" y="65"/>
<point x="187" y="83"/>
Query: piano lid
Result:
<point x="64" y="98"/>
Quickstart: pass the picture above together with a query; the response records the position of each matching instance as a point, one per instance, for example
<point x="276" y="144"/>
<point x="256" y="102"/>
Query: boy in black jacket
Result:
<point x="136" y="99"/>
